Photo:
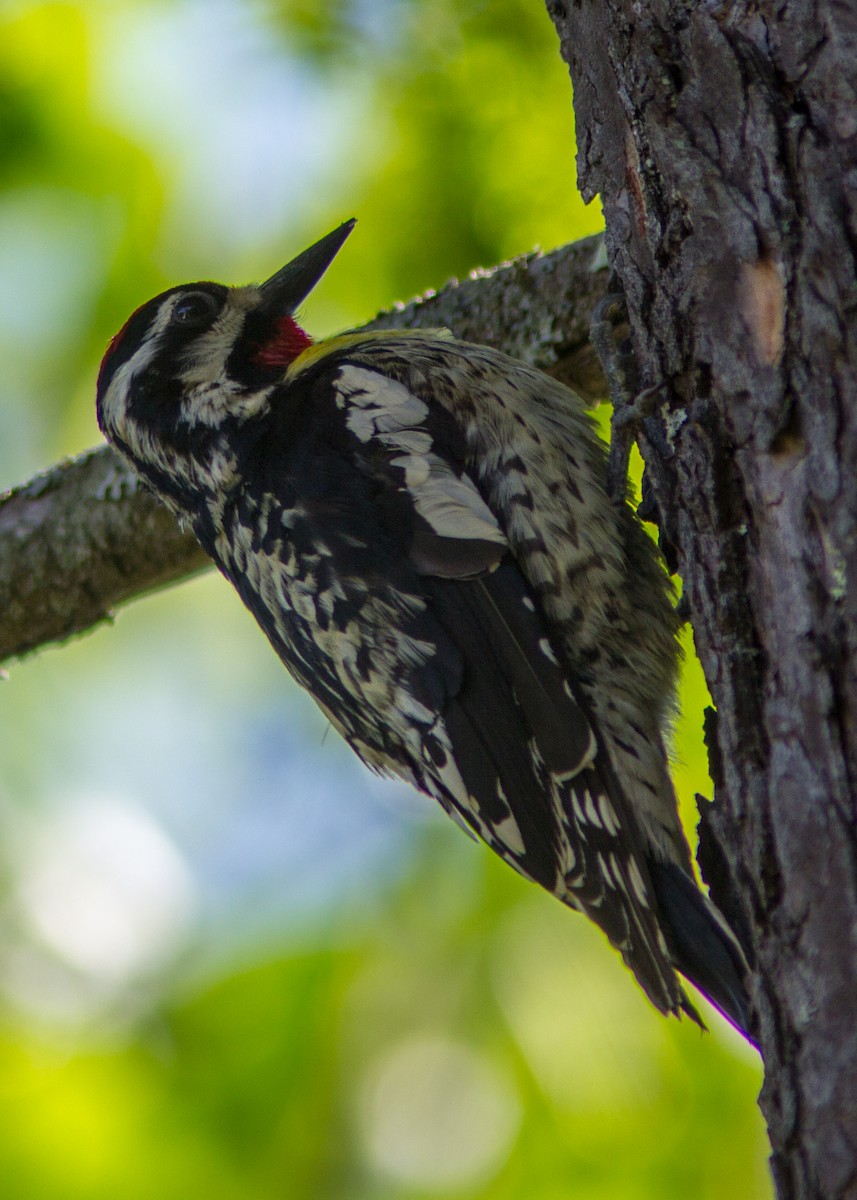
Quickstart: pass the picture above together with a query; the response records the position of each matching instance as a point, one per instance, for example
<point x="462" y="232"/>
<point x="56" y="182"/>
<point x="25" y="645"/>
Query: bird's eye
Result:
<point x="195" y="308"/>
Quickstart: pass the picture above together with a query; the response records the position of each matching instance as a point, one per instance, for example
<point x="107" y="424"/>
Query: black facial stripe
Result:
<point x="154" y="402"/>
<point x="258" y="328"/>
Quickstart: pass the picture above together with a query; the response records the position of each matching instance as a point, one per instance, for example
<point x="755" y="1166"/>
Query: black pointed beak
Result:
<point x="292" y="284"/>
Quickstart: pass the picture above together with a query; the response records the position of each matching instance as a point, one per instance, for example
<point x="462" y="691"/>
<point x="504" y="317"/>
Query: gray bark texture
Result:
<point x="84" y="537"/>
<point x="722" y="139"/>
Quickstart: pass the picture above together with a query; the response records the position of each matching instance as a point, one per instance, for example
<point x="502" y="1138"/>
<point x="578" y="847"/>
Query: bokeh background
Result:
<point x="232" y="963"/>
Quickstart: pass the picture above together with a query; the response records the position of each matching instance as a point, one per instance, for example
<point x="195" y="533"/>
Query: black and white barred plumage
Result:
<point x="422" y="528"/>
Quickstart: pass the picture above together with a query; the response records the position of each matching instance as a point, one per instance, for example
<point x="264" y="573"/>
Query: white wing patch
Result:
<point x="449" y="503"/>
<point x="376" y="404"/>
<point x="383" y="410"/>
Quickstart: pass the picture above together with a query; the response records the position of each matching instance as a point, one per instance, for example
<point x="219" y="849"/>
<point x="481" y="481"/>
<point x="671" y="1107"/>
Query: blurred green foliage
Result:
<point x="476" y="1051"/>
<point x="436" y="1027"/>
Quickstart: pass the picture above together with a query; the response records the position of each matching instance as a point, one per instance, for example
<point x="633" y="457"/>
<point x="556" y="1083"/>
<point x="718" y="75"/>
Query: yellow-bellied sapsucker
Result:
<point x="421" y="526"/>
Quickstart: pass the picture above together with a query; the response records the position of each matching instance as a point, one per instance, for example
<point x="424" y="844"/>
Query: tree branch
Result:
<point x="85" y="537"/>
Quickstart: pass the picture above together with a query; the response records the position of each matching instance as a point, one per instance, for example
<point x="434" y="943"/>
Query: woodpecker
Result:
<point x="422" y="528"/>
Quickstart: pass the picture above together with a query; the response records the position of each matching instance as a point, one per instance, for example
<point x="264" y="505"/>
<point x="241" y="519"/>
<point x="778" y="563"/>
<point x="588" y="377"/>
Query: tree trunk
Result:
<point x="723" y="141"/>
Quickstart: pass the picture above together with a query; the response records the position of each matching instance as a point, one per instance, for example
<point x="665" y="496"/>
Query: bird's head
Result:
<point x="199" y="358"/>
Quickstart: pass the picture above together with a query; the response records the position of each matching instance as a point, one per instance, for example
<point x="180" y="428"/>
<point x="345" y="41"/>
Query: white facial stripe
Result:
<point x="114" y="405"/>
<point x="206" y="357"/>
<point x="115" y="402"/>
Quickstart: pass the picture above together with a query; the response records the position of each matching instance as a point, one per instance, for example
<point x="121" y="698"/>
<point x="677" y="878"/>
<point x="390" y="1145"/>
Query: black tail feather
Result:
<point x="703" y="949"/>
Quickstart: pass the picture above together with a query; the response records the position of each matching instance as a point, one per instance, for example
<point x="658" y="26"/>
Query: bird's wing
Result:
<point x="492" y="722"/>
<point x="530" y="775"/>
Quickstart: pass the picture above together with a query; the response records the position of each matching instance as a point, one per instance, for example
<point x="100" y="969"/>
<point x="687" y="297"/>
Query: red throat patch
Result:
<point x="284" y="347"/>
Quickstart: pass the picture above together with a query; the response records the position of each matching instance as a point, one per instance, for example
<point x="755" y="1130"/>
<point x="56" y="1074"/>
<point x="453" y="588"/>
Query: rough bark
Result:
<point x="723" y="141"/>
<point x="84" y="537"/>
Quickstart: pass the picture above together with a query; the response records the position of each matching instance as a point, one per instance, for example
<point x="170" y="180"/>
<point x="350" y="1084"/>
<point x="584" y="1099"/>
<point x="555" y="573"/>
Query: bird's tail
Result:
<point x="703" y="947"/>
